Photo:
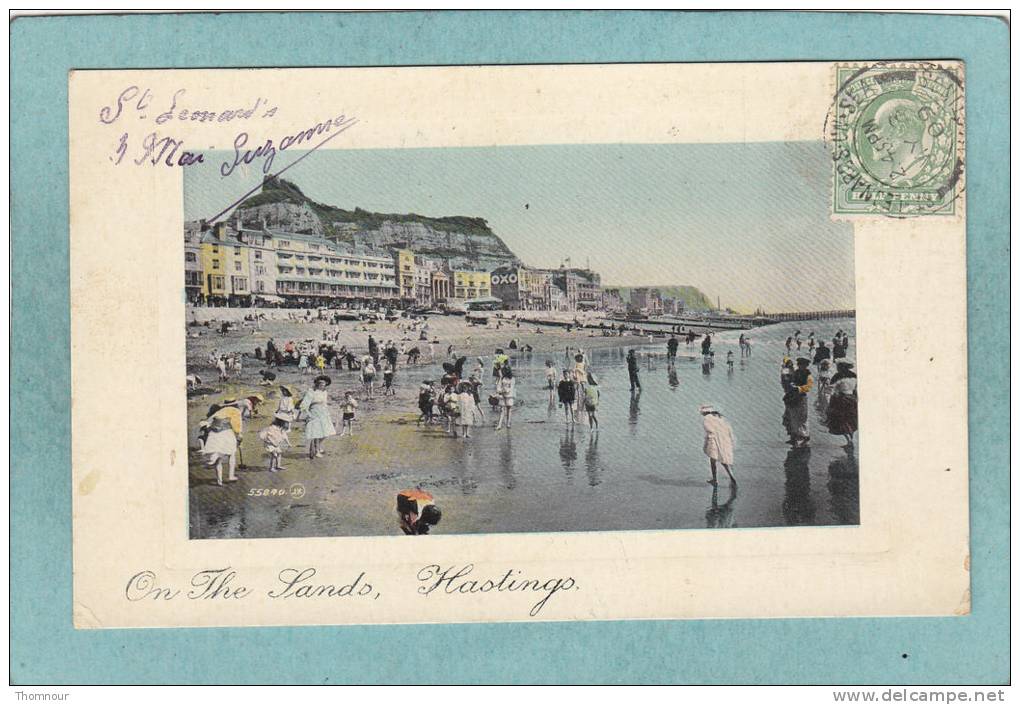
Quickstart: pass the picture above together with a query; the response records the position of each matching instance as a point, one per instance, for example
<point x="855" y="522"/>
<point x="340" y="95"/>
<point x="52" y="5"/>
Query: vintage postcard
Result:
<point x="486" y="343"/>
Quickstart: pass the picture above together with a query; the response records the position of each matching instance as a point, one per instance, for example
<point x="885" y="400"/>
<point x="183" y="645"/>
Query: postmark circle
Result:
<point x="896" y="134"/>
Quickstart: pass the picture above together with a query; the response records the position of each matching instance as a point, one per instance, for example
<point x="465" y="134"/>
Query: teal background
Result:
<point x="46" y="649"/>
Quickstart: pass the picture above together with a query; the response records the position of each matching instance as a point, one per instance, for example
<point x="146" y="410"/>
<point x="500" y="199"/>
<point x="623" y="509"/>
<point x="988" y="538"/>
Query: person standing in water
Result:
<point x="466" y="404"/>
<point x="505" y="393"/>
<point x="719" y="442"/>
<point x="795" y="416"/>
<point x="591" y="402"/>
<point x="566" y="392"/>
<point x="841" y="416"/>
<point x="632" y="370"/>
<point x="671" y="345"/>
<point x="368" y="376"/>
<point x="319" y="425"/>
<point x="550" y="378"/>
<point x="822" y="353"/>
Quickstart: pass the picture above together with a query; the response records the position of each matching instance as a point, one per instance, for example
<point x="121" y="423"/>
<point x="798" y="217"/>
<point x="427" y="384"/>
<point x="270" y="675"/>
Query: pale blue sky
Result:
<point x="748" y="223"/>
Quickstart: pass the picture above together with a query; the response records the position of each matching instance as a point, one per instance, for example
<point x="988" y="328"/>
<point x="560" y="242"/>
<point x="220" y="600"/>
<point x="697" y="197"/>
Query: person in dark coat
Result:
<point x="632" y="370"/>
<point x="795" y="416"/>
<point x="822" y="353"/>
<point x="671" y="345"/>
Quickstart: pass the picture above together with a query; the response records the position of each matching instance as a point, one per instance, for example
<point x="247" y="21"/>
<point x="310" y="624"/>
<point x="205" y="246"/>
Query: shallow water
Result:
<point x="644" y="469"/>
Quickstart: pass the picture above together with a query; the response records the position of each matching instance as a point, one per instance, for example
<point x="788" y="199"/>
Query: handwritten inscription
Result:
<point x="267" y="150"/>
<point x="137" y="102"/>
<point x="455" y="581"/>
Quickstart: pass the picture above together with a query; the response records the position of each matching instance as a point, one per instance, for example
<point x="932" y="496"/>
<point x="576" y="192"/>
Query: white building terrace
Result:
<point x="311" y="270"/>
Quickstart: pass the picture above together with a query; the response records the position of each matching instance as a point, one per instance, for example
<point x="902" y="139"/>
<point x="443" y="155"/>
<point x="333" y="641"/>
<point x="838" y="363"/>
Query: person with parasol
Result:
<point x="417" y="511"/>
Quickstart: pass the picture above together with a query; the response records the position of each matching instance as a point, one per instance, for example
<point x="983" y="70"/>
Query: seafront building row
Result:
<point x="231" y="264"/>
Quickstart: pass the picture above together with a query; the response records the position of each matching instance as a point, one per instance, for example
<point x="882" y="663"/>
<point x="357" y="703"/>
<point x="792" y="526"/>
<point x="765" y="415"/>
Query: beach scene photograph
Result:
<point x="509" y="339"/>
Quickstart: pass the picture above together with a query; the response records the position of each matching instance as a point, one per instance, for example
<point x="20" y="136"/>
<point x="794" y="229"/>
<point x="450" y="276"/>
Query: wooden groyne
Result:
<point x="807" y="316"/>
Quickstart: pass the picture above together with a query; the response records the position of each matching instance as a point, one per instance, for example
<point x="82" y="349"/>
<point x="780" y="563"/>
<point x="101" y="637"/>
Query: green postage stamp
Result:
<point x="897" y="135"/>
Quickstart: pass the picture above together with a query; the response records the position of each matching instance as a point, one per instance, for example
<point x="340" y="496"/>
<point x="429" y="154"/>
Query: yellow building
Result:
<point x="224" y="263"/>
<point x="405" y="274"/>
<point x="471" y="285"/>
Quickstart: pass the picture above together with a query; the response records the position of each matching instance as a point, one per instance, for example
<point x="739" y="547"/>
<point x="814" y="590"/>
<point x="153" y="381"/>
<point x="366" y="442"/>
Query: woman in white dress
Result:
<point x="319" y="425"/>
<point x="719" y="441"/>
<point x="286" y="408"/>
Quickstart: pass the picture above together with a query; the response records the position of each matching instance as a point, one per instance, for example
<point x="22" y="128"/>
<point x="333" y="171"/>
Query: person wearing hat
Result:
<point x="719" y="442"/>
<point x="223" y="427"/>
<point x="275" y="438"/>
<point x="426" y="398"/>
<point x="319" y="425"/>
<point x="795" y="416"/>
<point x="285" y="409"/>
<point x="841" y="416"/>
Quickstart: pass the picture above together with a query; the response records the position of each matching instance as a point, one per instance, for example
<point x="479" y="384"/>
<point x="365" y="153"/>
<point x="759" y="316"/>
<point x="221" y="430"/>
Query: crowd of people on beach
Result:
<point x="836" y="399"/>
<point x="459" y="401"/>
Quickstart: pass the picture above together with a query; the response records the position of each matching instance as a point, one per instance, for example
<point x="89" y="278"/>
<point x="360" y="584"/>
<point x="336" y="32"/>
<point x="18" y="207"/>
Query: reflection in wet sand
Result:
<point x="635" y="411"/>
<point x="798" y="507"/>
<point x="672" y="377"/>
<point x="568" y="451"/>
<point x="591" y="461"/>
<point x="844" y="489"/>
<point x="720" y="516"/>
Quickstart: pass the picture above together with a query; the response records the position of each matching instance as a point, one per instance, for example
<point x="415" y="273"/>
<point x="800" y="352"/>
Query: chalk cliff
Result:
<point x="468" y="242"/>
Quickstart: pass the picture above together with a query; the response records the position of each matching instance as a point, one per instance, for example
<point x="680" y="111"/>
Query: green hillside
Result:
<point x="693" y="298"/>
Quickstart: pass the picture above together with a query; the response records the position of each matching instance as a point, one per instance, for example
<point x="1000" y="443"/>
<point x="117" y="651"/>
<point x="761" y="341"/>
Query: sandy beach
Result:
<point x="642" y="470"/>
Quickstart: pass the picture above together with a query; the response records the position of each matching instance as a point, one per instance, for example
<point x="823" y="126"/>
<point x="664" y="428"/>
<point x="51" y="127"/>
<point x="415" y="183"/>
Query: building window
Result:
<point x="237" y="249"/>
<point x="258" y="254"/>
<point x="215" y="264"/>
<point x="284" y="243"/>
<point x="215" y="249"/>
<point x="217" y="282"/>
<point x="190" y="257"/>
<point x="237" y="266"/>
<point x="240" y="284"/>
